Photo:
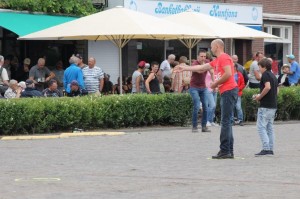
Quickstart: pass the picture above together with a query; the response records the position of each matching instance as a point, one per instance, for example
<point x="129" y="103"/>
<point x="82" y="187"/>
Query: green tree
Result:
<point x="68" y="7"/>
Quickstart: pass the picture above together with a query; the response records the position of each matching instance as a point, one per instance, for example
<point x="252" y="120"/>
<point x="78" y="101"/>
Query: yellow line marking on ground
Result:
<point x="62" y="135"/>
<point x="37" y="179"/>
<point x="91" y="134"/>
<point x="30" y="137"/>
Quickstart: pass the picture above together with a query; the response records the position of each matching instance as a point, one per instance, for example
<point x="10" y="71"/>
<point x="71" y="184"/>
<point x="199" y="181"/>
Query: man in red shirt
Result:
<point x="224" y="68"/>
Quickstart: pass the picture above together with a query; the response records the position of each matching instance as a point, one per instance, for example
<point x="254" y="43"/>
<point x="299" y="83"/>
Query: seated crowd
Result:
<point x="84" y="79"/>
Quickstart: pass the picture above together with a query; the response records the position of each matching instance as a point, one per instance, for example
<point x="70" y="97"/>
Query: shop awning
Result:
<point x="23" y="23"/>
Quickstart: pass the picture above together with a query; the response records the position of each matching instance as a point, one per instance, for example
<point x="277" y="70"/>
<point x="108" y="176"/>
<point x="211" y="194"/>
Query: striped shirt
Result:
<point x="92" y="77"/>
<point x="10" y="93"/>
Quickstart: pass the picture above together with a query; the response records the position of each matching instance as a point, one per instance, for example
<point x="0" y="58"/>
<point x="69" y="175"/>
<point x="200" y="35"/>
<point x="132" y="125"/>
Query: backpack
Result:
<point x="245" y="75"/>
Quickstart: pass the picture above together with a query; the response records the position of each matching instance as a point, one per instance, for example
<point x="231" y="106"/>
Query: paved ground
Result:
<point x="163" y="163"/>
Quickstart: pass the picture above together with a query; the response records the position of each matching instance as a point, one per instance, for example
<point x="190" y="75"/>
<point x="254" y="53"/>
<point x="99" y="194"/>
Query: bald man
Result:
<point x="93" y="77"/>
<point x="40" y="74"/>
<point x="224" y="70"/>
<point x="240" y="68"/>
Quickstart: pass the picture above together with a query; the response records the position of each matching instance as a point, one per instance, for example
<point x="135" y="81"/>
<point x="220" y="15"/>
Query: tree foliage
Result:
<point x="68" y="7"/>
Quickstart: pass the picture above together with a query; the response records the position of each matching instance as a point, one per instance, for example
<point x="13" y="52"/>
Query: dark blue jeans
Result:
<point x="199" y="94"/>
<point x="228" y="101"/>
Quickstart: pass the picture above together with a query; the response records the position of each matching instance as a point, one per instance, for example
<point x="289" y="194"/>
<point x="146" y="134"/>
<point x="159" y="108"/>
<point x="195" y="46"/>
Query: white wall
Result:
<point x="114" y="3"/>
<point x="107" y="57"/>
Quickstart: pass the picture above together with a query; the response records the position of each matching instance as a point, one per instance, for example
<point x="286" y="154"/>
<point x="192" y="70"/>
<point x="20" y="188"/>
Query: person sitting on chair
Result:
<point x="75" y="90"/>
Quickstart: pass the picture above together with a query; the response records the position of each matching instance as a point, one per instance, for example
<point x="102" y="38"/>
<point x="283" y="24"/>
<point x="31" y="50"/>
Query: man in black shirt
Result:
<point x="268" y="106"/>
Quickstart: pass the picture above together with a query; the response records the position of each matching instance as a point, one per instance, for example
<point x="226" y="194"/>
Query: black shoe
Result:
<point x="263" y="152"/>
<point x="270" y="152"/>
<point x="223" y="155"/>
<point x="205" y="129"/>
<point x="241" y="123"/>
<point x="195" y="130"/>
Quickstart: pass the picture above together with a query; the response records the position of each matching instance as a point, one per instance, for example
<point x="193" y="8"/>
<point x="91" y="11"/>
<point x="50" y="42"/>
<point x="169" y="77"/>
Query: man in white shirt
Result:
<point x="93" y="77"/>
<point x="3" y="77"/>
<point x="165" y="67"/>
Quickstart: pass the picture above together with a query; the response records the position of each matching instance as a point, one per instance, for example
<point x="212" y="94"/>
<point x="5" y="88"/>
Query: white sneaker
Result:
<point x="208" y="124"/>
<point x="214" y="124"/>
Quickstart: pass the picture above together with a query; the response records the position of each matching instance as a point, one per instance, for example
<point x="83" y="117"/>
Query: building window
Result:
<point x="276" y="31"/>
<point x="284" y="32"/>
<point x="267" y="29"/>
<point x="278" y="48"/>
<point x="288" y="33"/>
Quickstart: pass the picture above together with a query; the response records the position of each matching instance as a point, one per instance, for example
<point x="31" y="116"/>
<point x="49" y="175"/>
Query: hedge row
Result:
<point x="288" y="104"/>
<point x="46" y="115"/>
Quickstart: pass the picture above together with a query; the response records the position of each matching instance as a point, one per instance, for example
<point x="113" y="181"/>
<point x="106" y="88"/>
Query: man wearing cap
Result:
<point x="294" y="73"/>
<point x="93" y="77"/>
<point x="23" y="72"/>
<point x="3" y="77"/>
<point x="40" y="74"/>
<point x="73" y="72"/>
<point x="80" y="61"/>
<point x="75" y="90"/>
<point x="30" y="91"/>
<point x="138" y="84"/>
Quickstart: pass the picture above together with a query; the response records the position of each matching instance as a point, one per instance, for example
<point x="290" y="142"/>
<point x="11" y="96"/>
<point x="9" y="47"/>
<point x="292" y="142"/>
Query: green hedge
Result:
<point x="288" y="104"/>
<point x="45" y="115"/>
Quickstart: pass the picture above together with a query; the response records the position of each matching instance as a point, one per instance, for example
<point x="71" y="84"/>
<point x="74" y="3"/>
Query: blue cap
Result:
<point x="28" y="82"/>
<point x="291" y="56"/>
<point x="74" y="83"/>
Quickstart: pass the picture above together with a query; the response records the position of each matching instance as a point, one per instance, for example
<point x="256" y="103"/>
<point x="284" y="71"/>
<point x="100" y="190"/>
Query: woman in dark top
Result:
<point x="116" y="87"/>
<point x="128" y="86"/>
<point x="152" y="83"/>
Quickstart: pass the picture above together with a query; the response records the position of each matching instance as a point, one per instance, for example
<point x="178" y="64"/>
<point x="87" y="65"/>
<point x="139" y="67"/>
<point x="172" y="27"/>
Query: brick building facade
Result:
<point x="274" y="17"/>
<point x="280" y="18"/>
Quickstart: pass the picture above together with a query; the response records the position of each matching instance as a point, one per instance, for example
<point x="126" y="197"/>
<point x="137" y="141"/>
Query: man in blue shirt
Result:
<point x="294" y="73"/>
<point x="73" y="72"/>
